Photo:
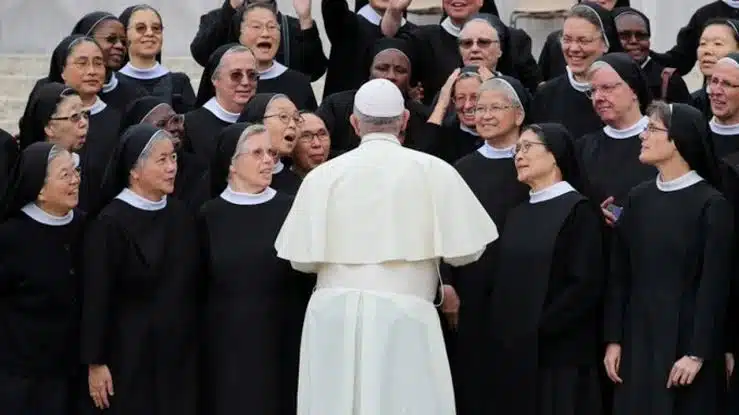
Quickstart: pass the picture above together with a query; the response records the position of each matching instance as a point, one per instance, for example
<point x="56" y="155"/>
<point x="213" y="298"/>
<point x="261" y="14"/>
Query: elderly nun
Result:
<point x="140" y="311"/>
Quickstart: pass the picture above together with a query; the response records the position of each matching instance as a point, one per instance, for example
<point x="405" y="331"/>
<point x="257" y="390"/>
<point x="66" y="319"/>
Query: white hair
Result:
<point x="242" y="146"/>
<point x="370" y="124"/>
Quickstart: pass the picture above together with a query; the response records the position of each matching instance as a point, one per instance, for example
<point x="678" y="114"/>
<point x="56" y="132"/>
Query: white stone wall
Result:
<point x="34" y="26"/>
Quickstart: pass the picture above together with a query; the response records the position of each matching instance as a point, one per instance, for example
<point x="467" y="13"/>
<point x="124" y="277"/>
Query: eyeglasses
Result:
<point x="724" y="84"/>
<point x="525" y="146"/>
<point x="141" y="28"/>
<point x="308" y="136"/>
<point x="237" y="77"/>
<point x="113" y="39"/>
<point x="70" y="175"/>
<point x="482" y="43"/>
<point x="495" y="109"/>
<point x="605" y="88"/>
<point x="636" y="34"/>
<point x="259" y="153"/>
<point x="651" y="128"/>
<point x="75" y="118"/>
<point x="286" y="118"/>
<point x="173" y="120"/>
<point x="580" y="41"/>
<point x="259" y="27"/>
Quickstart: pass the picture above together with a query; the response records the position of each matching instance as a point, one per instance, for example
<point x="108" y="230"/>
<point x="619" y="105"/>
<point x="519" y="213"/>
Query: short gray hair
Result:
<point x="662" y="111"/>
<point x="371" y="124"/>
<point x="502" y="86"/>
<point x="233" y="49"/>
<point x="250" y="131"/>
<point x="158" y="136"/>
<point x="595" y="67"/>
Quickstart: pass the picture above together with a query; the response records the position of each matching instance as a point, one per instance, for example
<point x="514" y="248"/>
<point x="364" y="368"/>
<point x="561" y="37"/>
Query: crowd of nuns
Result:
<point x="137" y="267"/>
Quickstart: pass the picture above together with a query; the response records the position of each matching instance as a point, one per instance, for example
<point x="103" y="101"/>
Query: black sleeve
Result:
<point x="585" y="271"/>
<point x="186" y="98"/>
<point x="99" y="274"/>
<point x="715" y="278"/>
<point x="617" y="281"/>
<point x="306" y="51"/>
<point x="338" y="20"/>
<point x="214" y="31"/>
<point x="524" y="64"/>
<point x="682" y="56"/>
<point x="550" y="57"/>
<point x="8" y="278"/>
<point x="677" y="90"/>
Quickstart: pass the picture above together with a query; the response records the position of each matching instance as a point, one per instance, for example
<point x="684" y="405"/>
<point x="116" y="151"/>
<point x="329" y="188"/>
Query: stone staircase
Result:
<point x="18" y="74"/>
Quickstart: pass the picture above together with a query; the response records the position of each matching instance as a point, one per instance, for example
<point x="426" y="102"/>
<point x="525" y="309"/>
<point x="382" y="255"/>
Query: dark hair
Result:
<point x="662" y="111"/>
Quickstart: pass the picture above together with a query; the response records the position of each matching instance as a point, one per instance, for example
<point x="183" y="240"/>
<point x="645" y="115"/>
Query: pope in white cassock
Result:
<point x="374" y="223"/>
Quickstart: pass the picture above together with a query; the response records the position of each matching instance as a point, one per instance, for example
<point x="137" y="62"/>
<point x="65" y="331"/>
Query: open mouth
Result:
<point x="264" y="46"/>
<point x="290" y="138"/>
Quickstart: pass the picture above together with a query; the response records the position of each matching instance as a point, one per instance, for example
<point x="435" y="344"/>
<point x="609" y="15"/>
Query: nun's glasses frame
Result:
<point x="285" y="117"/>
<point x="605" y="89"/>
<point x="525" y="146"/>
<point x="482" y="43"/>
<point x="580" y="41"/>
<point x="74" y="118"/>
<point x="651" y="128"/>
<point x="715" y="82"/>
<point x="494" y="109"/>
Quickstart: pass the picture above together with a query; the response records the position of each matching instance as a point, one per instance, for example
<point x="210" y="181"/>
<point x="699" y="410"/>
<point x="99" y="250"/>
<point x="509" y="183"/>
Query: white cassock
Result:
<point x="373" y="223"/>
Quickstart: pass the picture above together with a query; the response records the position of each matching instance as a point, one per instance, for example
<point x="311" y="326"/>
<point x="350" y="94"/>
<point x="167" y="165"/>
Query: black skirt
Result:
<point x="569" y="390"/>
<point x="36" y="395"/>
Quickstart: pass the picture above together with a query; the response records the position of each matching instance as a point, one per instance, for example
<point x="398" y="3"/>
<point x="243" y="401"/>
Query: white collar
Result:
<point x="686" y="180"/>
<point x="468" y="130"/>
<point x="76" y="159"/>
<point x="216" y="109"/>
<point x="128" y="196"/>
<point x="278" y="167"/>
<point x="646" y="61"/>
<point x="490" y="152"/>
<point x="156" y="71"/>
<point x="372" y="16"/>
<point x="243" y="198"/>
<point x="551" y="192"/>
<point x="111" y="84"/>
<point x="721" y="129"/>
<point x="41" y="216"/>
<point x="732" y="3"/>
<point x="627" y="132"/>
<point x="97" y="107"/>
<point x="379" y="137"/>
<point x="447" y="25"/>
<point x="273" y="72"/>
<point x="577" y="85"/>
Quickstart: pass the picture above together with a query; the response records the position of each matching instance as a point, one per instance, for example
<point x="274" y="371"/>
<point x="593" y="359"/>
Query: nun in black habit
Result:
<point x="546" y="290"/>
<point x="155" y="111"/>
<point x="491" y="175"/>
<point x="564" y="99"/>
<point x="282" y="120"/>
<point x="436" y="52"/>
<point x="39" y="325"/>
<point x="110" y="35"/>
<point x="670" y="272"/>
<point x="352" y="36"/>
<point x="635" y="32"/>
<point x="143" y="66"/>
<point x="609" y="157"/>
<point x="8" y="155"/>
<point x="300" y="48"/>
<point x="389" y="59"/>
<point x="203" y="124"/>
<point x="141" y="287"/>
<point x="246" y="281"/>
<point x="102" y="134"/>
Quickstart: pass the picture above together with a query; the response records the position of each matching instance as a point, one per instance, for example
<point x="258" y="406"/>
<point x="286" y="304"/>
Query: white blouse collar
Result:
<point x="468" y="130"/>
<point x="551" y="192"/>
<point x="97" y="107"/>
<point x="128" y="196"/>
<point x="627" y="132"/>
<point x="243" y="198"/>
<point x="721" y="129"/>
<point x="686" y="180"/>
<point x="156" y="71"/>
<point x="490" y="152"/>
<point x="279" y="166"/>
<point x="732" y="3"/>
<point x="372" y="16"/>
<point x="112" y="83"/>
<point x="447" y="25"/>
<point x="577" y="85"/>
<point x="41" y="216"/>
<point x="216" y="109"/>
<point x="273" y="72"/>
<point x="379" y="137"/>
